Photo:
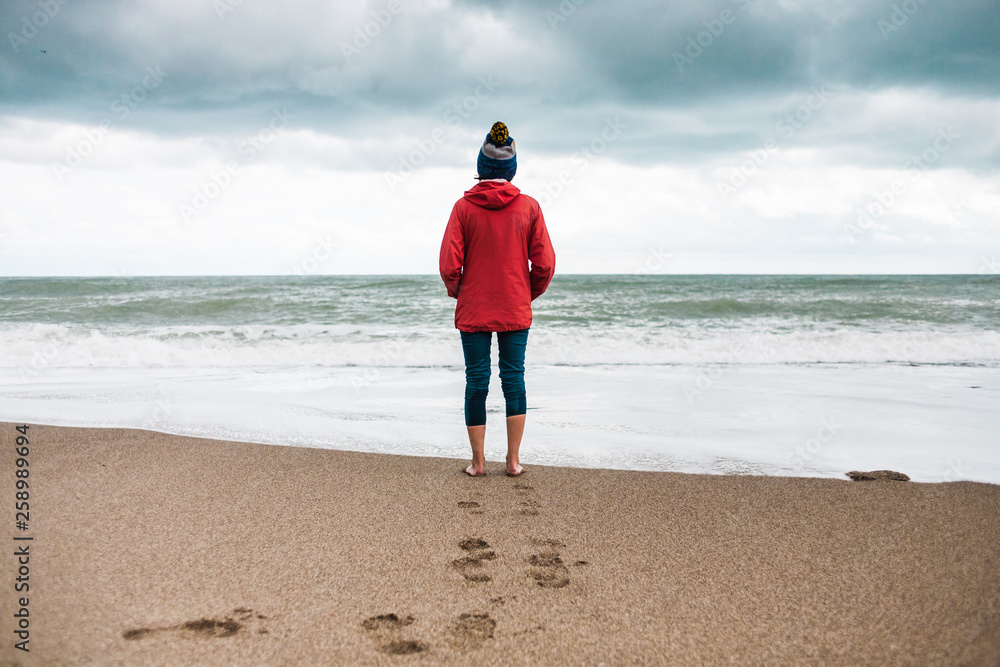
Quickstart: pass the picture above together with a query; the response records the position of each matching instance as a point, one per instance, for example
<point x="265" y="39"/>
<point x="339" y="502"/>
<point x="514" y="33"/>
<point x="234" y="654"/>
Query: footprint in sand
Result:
<point x="471" y="630"/>
<point x="472" y="506"/>
<point x="386" y="631"/>
<point x="529" y="506"/>
<point x="547" y="566"/>
<point x="470" y="566"/>
<point x="205" y="628"/>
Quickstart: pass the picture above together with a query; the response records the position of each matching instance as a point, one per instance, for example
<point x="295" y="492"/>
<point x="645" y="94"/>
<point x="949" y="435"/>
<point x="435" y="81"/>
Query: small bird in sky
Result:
<point x="44" y="51"/>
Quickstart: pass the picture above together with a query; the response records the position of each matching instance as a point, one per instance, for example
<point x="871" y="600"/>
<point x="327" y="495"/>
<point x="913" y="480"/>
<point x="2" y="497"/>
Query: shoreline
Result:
<point x="155" y="548"/>
<point x="934" y="424"/>
<point x="720" y="464"/>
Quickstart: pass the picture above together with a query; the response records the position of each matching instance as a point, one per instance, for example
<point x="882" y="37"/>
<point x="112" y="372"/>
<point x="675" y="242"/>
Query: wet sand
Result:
<point x="153" y="549"/>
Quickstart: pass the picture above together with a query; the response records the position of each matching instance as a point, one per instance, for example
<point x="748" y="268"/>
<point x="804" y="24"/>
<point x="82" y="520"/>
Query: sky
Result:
<point x="259" y="137"/>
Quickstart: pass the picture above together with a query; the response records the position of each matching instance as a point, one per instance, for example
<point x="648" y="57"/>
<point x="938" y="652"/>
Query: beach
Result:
<point x="741" y="261"/>
<point x="157" y="549"/>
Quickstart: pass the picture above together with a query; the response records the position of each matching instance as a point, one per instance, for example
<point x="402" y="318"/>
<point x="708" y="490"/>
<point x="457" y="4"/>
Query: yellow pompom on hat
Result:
<point x="499" y="134"/>
<point x="498" y="156"/>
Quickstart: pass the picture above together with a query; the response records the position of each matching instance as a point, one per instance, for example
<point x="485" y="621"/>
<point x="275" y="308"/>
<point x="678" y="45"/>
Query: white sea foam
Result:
<point x="934" y="423"/>
<point x="40" y="346"/>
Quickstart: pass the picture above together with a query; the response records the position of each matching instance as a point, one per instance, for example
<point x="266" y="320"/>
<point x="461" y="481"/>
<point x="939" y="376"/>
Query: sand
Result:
<point x="154" y="549"/>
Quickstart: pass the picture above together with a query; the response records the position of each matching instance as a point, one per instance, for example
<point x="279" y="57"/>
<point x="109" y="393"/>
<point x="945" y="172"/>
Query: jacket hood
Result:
<point x="492" y="194"/>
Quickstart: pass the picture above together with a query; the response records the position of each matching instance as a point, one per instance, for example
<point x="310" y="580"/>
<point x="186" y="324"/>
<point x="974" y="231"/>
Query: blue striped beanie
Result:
<point x="498" y="156"/>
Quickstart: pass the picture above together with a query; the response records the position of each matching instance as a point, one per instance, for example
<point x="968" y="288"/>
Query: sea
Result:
<point x="763" y="375"/>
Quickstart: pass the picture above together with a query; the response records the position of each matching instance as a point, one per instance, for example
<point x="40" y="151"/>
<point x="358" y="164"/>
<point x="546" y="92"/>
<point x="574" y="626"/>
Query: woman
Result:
<point x="493" y="232"/>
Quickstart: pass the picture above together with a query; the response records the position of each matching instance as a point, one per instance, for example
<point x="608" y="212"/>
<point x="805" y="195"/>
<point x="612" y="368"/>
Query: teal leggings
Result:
<point x="476" y="346"/>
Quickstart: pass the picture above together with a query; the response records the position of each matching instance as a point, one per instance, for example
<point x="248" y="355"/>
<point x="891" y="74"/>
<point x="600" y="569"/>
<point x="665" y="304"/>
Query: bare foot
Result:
<point x="514" y="469"/>
<point x="473" y="471"/>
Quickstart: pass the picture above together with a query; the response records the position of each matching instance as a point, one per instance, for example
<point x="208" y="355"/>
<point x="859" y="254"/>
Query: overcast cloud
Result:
<point x="261" y="137"/>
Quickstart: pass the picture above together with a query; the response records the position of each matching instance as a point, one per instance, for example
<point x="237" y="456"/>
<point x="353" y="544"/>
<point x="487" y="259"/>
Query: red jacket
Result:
<point x="493" y="232"/>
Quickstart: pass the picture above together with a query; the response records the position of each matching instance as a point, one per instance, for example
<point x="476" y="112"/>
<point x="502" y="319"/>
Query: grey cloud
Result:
<point x="559" y="82"/>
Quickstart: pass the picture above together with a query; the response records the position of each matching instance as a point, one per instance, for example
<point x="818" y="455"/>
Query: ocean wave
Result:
<point x="40" y="346"/>
<point x="572" y="301"/>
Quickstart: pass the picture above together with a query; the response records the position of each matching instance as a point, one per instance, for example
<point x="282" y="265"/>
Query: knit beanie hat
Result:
<point x="498" y="156"/>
